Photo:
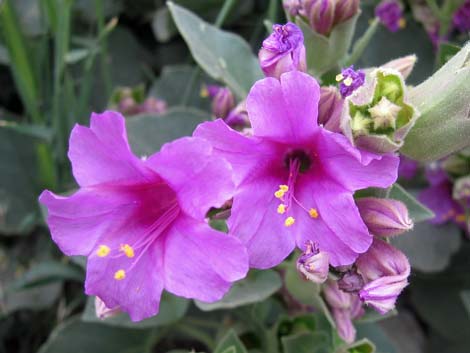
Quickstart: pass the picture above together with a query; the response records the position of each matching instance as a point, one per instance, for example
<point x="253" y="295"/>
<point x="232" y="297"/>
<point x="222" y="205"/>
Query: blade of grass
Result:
<point x="20" y="63"/>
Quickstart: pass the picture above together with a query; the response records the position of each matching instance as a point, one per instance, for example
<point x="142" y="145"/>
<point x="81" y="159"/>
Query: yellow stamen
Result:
<point x="128" y="250"/>
<point x="103" y="251"/>
<point x="119" y="275"/>
<point x="348" y="82"/>
<point x="204" y="93"/>
<point x="339" y="77"/>
<point x="460" y="218"/>
<point x="279" y="194"/>
<point x="284" y="188"/>
<point x="281" y="209"/>
<point x="402" y="23"/>
<point x="313" y="213"/>
<point x="289" y="221"/>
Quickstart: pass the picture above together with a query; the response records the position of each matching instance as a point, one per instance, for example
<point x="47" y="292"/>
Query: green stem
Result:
<point x="434" y="8"/>
<point x="104" y="49"/>
<point x="272" y="11"/>
<point x="222" y="16"/>
<point x="362" y="43"/>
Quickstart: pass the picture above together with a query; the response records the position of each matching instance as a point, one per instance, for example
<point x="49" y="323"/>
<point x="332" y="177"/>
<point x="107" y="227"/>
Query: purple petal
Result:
<point x="256" y="222"/>
<point x="243" y="153"/>
<point x="284" y="110"/>
<point x="438" y="198"/>
<point x="200" y="262"/>
<point x="353" y="168"/>
<point x="200" y="179"/>
<point x="101" y="153"/>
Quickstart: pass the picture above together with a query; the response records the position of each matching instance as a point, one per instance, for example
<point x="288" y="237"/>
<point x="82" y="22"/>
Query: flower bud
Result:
<point x="461" y="191"/>
<point x="351" y="282"/>
<point x="384" y="217"/>
<point x="457" y="164"/>
<point x="344" y="307"/>
<point x="385" y="271"/>
<point x="153" y="105"/>
<point x="283" y="51"/>
<point x="320" y="14"/>
<point x="222" y="100"/>
<point x="292" y="7"/>
<point x="330" y="108"/>
<point x="313" y="264"/>
<point x="103" y="312"/>
<point x="403" y="65"/>
<point x="390" y="14"/>
<point x="345" y="9"/>
<point x="238" y="117"/>
<point x="377" y="116"/>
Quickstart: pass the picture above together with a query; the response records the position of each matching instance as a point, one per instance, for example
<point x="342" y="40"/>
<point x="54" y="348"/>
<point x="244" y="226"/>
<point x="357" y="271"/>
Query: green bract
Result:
<point x="378" y="116"/>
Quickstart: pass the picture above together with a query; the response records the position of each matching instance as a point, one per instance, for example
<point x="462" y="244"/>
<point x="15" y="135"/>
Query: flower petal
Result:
<point x="256" y="222"/>
<point x="243" y="153"/>
<point x="286" y="109"/>
<point x="439" y="199"/>
<point x="139" y="289"/>
<point x="353" y="168"/>
<point x="200" y="262"/>
<point x="200" y="179"/>
<point x="101" y="153"/>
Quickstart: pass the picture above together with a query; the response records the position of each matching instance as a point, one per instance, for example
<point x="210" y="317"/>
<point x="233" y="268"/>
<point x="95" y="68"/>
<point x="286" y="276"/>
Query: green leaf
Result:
<point x="223" y="55"/>
<point x="18" y="182"/>
<point x="147" y="133"/>
<point x="82" y="337"/>
<point x="48" y="272"/>
<point x="333" y="49"/>
<point x="172" y="86"/>
<point x="446" y="52"/>
<point x="306" y="342"/>
<point x="362" y="346"/>
<point x="418" y="212"/>
<point x="373" y="333"/>
<point x="172" y="309"/>
<point x="230" y="343"/>
<point x="442" y="100"/>
<point x="256" y="287"/>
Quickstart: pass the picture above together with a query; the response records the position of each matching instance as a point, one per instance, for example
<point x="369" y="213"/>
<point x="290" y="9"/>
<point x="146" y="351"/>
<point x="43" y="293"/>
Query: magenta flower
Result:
<point x="350" y="80"/>
<point x="283" y="51"/>
<point x="385" y="271"/>
<point x="141" y="223"/>
<point x="390" y="14"/>
<point x="313" y="264"/>
<point x="296" y="179"/>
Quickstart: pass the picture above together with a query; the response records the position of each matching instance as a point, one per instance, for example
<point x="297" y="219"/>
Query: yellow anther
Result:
<point x="339" y="77"/>
<point x="281" y="209"/>
<point x="402" y="23"/>
<point x="128" y="250"/>
<point x="289" y="221"/>
<point x="313" y="213"/>
<point x="103" y="251"/>
<point x="348" y="82"/>
<point x="279" y="194"/>
<point x="284" y="188"/>
<point x="119" y="275"/>
<point x="460" y="218"/>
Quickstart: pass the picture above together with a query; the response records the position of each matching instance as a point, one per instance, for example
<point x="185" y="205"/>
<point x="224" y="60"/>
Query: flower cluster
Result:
<point x="291" y="184"/>
<point x="390" y="14"/>
<point x="131" y="101"/>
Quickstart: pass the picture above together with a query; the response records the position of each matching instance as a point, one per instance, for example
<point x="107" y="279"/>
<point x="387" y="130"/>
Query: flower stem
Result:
<point x="361" y="43"/>
<point x="222" y="16"/>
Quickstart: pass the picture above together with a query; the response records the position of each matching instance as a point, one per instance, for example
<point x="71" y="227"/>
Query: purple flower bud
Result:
<point x="293" y="7"/>
<point x="153" y="105"/>
<point x="390" y="14"/>
<point x="103" y="312"/>
<point x="385" y="271"/>
<point x="344" y="307"/>
<point x="320" y="14"/>
<point x="350" y="80"/>
<point x="330" y="108"/>
<point x="313" y="264"/>
<point x="384" y="217"/>
<point x="351" y="282"/>
<point x="345" y="9"/>
<point x="461" y="18"/>
<point x="238" y="117"/>
<point x="283" y="51"/>
<point x="222" y="100"/>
